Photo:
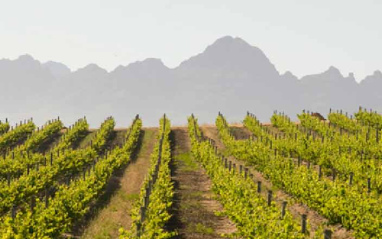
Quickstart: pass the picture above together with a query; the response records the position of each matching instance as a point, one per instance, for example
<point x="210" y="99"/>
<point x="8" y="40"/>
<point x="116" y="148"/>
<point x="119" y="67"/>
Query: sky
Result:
<point x="301" y="36"/>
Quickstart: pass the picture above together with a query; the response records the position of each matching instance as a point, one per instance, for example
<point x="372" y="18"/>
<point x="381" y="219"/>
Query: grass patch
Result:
<point x="191" y="205"/>
<point x="192" y="196"/>
<point x="105" y="232"/>
<point x="147" y="138"/>
<point x="188" y="163"/>
<point x="200" y="228"/>
<point x="196" y="195"/>
<point x="129" y="197"/>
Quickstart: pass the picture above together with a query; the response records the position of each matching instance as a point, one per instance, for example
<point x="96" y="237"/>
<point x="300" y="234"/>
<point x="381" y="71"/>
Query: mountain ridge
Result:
<point x="230" y="76"/>
<point x="29" y="58"/>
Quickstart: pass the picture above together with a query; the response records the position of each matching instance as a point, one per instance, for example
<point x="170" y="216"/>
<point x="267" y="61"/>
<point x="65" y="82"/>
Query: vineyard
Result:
<point x="310" y="178"/>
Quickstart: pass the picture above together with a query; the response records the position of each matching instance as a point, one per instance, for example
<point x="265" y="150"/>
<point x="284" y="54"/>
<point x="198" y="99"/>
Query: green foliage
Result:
<point x="160" y="200"/>
<point x="73" y="135"/>
<point x="63" y="164"/>
<point x="344" y="122"/>
<point x="242" y="204"/>
<point x="34" y="142"/>
<point x="372" y="119"/>
<point x="17" y="163"/>
<point x="71" y="202"/>
<point x="25" y="155"/>
<point x="352" y="206"/>
<point x="4" y="127"/>
<point x="11" y="138"/>
<point x="200" y="228"/>
<point x="350" y="150"/>
<point x="99" y="143"/>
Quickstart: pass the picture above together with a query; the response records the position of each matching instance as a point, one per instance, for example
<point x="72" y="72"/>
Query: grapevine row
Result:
<point x="14" y="136"/>
<point x="253" y="216"/>
<point x="151" y="213"/>
<point x="4" y="127"/>
<point x="350" y="156"/>
<point x="70" y="202"/>
<point x="21" y="157"/>
<point x="61" y="166"/>
<point x="334" y="200"/>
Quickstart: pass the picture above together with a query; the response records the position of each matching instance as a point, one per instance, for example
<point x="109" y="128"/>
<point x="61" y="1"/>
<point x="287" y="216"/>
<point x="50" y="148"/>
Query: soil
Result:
<point x="194" y="202"/>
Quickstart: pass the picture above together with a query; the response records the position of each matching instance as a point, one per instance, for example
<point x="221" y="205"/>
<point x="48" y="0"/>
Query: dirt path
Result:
<point x="295" y="208"/>
<point x="128" y="183"/>
<point x="194" y="203"/>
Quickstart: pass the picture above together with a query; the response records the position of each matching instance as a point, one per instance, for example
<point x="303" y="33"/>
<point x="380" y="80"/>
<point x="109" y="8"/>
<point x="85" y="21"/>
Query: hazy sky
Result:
<point x="304" y="36"/>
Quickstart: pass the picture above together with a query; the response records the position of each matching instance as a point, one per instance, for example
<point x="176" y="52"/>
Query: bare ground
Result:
<point x="240" y="132"/>
<point x="194" y="204"/>
<point x="124" y="190"/>
<point x="296" y="209"/>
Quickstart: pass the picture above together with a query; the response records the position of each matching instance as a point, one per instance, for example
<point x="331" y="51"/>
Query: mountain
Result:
<point x="371" y="90"/>
<point x="232" y="55"/>
<point x="58" y="70"/>
<point x="332" y="89"/>
<point x="372" y="82"/>
<point x="230" y="76"/>
<point x="23" y="84"/>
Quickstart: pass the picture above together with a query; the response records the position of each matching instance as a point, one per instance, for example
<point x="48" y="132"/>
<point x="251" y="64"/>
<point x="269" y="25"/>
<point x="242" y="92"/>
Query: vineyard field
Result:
<point x="318" y="177"/>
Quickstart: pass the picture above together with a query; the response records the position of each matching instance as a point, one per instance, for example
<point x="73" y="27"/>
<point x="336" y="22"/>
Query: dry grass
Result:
<point x="116" y="213"/>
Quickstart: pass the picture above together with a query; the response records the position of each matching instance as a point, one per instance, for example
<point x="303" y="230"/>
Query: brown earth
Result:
<point x="194" y="203"/>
